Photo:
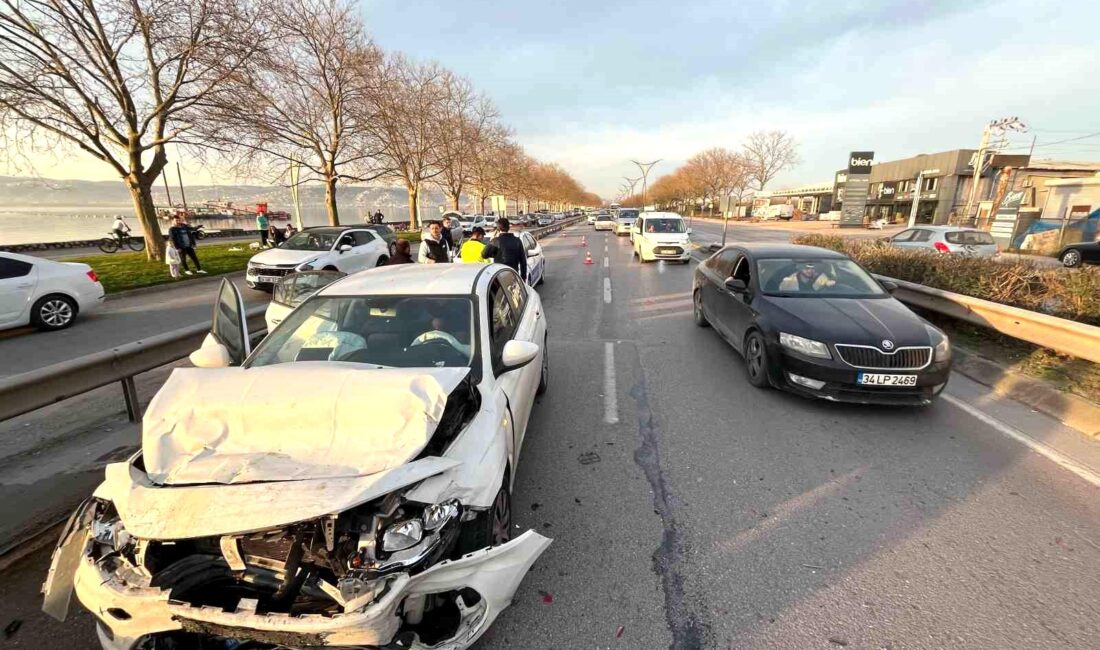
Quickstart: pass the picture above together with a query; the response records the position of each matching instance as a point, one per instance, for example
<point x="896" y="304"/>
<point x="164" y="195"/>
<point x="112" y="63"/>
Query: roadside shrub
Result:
<point x="1072" y="294"/>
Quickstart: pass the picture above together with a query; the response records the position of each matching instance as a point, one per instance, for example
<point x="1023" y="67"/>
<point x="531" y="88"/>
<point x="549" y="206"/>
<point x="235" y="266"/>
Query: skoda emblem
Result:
<point x="887" y="344"/>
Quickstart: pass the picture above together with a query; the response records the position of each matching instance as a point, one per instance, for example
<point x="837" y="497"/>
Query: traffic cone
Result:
<point x="588" y="258"/>
<point x="584" y="241"/>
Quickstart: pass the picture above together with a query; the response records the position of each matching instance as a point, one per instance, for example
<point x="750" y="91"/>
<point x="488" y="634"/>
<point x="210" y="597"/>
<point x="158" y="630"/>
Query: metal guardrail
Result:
<point x="1066" y="336"/>
<point x="39" y="388"/>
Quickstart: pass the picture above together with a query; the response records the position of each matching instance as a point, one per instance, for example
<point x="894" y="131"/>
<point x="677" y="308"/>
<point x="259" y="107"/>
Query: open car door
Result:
<point x="229" y="327"/>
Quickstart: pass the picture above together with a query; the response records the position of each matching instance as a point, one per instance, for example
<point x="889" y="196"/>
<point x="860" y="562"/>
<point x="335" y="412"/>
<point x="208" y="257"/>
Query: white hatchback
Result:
<point x="44" y="293"/>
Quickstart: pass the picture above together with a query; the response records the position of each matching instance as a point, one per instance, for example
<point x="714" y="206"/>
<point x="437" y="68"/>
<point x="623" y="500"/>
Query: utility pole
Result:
<point x="632" y="182"/>
<point x="1000" y="126"/>
<point x="645" y="167"/>
<point x="916" y="200"/>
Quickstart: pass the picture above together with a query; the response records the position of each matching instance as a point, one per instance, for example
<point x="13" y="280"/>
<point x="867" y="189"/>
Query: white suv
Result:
<point x="661" y="236"/>
<point x="330" y="248"/>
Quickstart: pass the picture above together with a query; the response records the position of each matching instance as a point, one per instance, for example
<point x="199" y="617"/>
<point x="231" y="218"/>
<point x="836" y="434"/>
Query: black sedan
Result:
<point x="1080" y="253"/>
<point x="812" y="321"/>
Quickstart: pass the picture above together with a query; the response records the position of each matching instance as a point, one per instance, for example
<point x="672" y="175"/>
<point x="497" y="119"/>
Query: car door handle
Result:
<point x="24" y="286"/>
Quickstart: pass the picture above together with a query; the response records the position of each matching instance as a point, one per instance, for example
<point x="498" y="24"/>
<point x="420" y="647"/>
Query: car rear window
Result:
<point x="972" y="237"/>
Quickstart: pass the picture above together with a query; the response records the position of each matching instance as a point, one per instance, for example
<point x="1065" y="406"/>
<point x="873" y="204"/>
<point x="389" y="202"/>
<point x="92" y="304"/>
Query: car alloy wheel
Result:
<point x="54" y="313"/>
<point x="1071" y="258"/>
<point x="756" y="360"/>
<point x="700" y="317"/>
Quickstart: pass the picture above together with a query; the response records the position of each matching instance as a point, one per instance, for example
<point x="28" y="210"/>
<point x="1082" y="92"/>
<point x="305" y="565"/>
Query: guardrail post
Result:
<point x="129" y="391"/>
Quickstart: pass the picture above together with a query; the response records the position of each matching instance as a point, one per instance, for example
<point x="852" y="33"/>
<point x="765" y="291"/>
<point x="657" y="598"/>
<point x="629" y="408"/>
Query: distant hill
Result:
<point x="27" y="191"/>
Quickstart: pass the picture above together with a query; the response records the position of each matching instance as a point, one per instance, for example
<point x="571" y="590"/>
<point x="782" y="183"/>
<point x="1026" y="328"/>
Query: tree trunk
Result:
<point x="481" y="203"/>
<point x="454" y="201"/>
<point x="330" y="201"/>
<point x="142" y="196"/>
<point x="414" y="198"/>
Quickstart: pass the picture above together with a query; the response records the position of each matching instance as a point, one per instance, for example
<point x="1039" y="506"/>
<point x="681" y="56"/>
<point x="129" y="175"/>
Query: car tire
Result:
<point x="53" y="312"/>
<point x="490" y="528"/>
<point x="756" y="359"/>
<point x="1071" y="258"/>
<point x="382" y="261"/>
<point x="544" y="374"/>
<point x="697" y="309"/>
<point x="393" y="248"/>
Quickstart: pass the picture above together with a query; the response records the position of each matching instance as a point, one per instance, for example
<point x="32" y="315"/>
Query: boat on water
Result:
<point x="212" y="210"/>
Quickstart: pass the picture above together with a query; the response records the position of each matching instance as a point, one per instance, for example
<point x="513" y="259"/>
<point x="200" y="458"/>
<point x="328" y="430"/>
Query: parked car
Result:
<point x="811" y="321"/>
<point x="661" y="236"/>
<point x="1080" y="253"/>
<point x="471" y="221"/>
<point x="604" y="222"/>
<point x="45" y="293"/>
<point x="387" y="234"/>
<point x="947" y="239"/>
<point x="292" y="290"/>
<point x="346" y="483"/>
<point x="536" y="261"/>
<point x="331" y="248"/>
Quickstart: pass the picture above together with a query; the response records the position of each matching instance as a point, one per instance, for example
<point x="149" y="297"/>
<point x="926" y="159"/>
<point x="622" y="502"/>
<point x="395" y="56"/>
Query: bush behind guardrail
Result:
<point x="1055" y="291"/>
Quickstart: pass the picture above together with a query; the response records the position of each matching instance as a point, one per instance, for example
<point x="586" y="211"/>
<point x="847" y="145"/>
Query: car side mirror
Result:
<point x="344" y="248"/>
<point x="211" y="355"/>
<point x="890" y="287"/>
<point x="689" y="231"/>
<point x="533" y="252"/>
<point x="517" y="354"/>
<point x="736" y="285"/>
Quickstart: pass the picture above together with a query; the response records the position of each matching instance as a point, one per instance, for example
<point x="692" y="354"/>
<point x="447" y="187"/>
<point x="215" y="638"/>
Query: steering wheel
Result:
<point x="441" y="337"/>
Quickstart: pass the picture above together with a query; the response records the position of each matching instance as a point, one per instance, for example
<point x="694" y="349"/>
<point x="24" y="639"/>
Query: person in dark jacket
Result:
<point x="182" y="235"/>
<point x="507" y="249"/>
<point x="434" y="248"/>
<point x="402" y="253"/>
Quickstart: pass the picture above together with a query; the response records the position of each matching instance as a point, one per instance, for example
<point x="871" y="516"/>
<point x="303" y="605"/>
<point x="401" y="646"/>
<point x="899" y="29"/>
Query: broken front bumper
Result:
<point x="127" y="612"/>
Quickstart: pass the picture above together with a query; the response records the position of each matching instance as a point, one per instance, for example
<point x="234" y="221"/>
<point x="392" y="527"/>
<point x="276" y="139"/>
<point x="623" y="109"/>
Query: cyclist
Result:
<point x="120" y="229"/>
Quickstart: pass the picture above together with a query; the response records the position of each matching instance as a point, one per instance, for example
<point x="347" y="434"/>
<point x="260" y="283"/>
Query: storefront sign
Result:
<point x="1004" y="221"/>
<point x="887" y="190"/>
<point x="854" y="196"/>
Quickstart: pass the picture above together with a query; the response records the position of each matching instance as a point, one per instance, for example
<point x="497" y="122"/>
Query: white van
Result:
<point x="661" y="236"/>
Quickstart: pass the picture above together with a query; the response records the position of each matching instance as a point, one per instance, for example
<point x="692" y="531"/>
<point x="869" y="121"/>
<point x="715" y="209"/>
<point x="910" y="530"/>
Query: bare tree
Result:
<point x="715" y="172"/>
<point x="116" y="79"/>
<point x="769" y="153"/>
<point x="467" y="123"/>
<point x="406" y="123"/>
<point x="302" y="101"/>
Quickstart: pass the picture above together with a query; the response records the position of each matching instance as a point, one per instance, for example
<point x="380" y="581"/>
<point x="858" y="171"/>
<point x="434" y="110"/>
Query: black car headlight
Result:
<point x="803" y="345"/>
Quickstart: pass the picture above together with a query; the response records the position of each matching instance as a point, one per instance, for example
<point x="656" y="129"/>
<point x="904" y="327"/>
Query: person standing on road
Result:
<point x="448" y="233"/>
<point x="402" y="253"/>
<point x="507" y="249"/>
<point x="473" y="247"/>
<point x="182" y="235"/>
<point x="120" y="228"/>
<point x="261" y="225"/>
<point x="434" y="248"/>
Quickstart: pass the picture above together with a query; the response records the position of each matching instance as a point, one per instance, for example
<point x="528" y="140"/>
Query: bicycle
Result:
<point x="112" y="243"/>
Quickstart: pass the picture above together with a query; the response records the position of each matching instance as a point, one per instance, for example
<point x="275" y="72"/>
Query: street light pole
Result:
<point x="632" y="182"/>
<point x="645" y="167"/>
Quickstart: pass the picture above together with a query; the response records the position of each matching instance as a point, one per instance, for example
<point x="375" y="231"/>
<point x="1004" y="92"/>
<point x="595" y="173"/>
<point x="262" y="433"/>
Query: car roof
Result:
<point x="793" y="251"/>
<point x="659" y="215"/>
<point x="945" y="228"/>
<point x="329" y="229"/>
<point x="413" y="279"/>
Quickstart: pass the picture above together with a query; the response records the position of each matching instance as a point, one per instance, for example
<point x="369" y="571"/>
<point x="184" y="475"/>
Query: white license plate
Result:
<point x="268" y="279"/>
<point x="667" y="251"/>
<point x="872" y="379"/>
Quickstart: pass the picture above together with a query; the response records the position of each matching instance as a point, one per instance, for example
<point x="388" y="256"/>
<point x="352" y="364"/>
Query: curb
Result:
<point x="1071" y="410"/>
<point x="169" y="286"/>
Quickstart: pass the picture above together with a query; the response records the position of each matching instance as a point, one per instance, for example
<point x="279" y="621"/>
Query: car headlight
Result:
<point x="439" y="514"/>
<point x="306" y="266"/>
<point x="808" y="347"/>
<point x="941" y="345"/>
<point x="110" y="533"/>
<point x="402" y="535"/>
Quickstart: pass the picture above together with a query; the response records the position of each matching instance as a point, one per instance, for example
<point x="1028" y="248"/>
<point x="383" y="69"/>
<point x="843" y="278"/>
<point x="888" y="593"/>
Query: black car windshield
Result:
<point x="604" y="217"/>
<point x="665" y="226"/>
<point x="390" y="331"/>
<point x="311" y="241"/>
<point x="808" y="278"/>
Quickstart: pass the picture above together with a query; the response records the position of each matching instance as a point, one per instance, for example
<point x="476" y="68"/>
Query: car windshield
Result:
<point x="824" y="278"/>
<point x="604" y="217"/>
<point x="664" y="225"/>
<point x="311" y="241"/>
<point x="628" y="214"/>
<point x="388" y="331"/>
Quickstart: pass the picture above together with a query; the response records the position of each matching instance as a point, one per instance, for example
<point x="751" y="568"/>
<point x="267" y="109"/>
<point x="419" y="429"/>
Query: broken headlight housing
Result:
<point x="402" y="535"/>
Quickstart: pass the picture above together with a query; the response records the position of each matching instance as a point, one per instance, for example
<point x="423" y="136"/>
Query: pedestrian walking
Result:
<point x="378" y="218"/>
<point x="261" y="225"/>
<point x="507" y="249"/>
<point x="172" y="259"/>
<point x="402" y="253"/>
<point x="472" y="248"/>
<point x="182" y="235"/>
<point x="434" y="248"/>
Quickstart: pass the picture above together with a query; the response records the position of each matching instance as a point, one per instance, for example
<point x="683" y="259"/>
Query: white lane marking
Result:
<point x="605" y="248"/>
<point x="607" y="290"/>
<point x="606" y="263"/>
<point x="661" y="266"/>
<point x="610" y="392"/>
<point x="1019" y="436"/>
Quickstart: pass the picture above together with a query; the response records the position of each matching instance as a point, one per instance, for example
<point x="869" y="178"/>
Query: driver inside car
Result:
<point x="438" y="332"/>
<point x="808" y="278"/>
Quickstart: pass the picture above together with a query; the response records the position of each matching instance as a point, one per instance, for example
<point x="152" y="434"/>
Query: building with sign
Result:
<point x="806" y="199"/>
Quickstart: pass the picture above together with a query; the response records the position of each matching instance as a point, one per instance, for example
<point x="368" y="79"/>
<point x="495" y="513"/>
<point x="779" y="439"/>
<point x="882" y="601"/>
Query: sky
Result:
<point x="592" y="84"/>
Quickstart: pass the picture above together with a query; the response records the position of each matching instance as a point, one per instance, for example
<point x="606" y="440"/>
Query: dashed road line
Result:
<point x="607" y="290"/>
<point x="610" y="390"/>
<point x="606" y="263"/>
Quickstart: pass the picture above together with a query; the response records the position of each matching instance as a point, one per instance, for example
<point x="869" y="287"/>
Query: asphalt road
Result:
<point x="117" y="321"/>
<point x="690" y="510"/>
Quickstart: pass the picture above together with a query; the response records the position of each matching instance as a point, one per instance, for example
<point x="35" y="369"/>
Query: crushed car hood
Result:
<point x="292" y="421"/>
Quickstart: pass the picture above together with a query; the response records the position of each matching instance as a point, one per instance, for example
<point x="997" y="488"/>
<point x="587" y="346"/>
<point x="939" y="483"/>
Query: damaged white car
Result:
<point x="347" y="483"/>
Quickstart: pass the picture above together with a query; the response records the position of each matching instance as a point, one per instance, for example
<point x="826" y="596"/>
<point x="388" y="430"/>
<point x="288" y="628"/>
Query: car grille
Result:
<point x="277" y="271"/>
<point x="861" y="356"/>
